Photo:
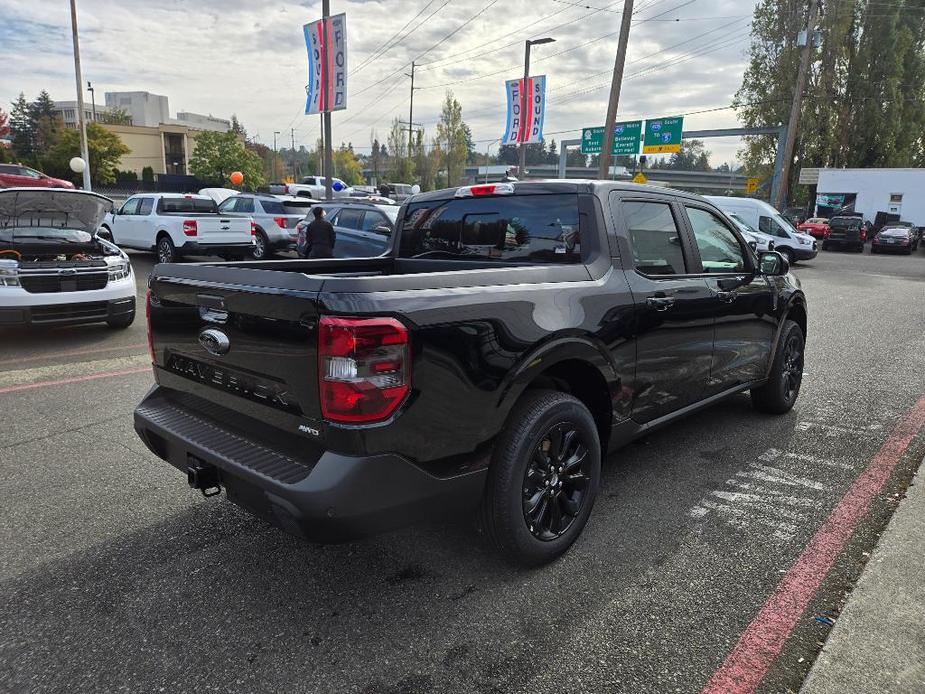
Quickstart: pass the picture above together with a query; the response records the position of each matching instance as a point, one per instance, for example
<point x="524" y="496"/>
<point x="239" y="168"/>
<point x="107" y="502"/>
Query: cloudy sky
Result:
<point x="238" y="56"/>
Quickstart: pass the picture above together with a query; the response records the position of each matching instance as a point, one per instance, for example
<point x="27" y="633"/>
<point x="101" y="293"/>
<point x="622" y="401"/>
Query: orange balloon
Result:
<point x="237" y="178"/>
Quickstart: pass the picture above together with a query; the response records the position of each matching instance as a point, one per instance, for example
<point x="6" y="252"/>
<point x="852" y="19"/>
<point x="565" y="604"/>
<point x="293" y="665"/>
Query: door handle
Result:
<point x="660" y="303"/>
<point x="726" y="297"/>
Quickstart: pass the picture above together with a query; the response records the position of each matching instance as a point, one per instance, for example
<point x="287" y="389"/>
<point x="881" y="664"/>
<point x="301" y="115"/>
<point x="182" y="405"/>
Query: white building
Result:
<point x="67" y="111"/>
<point x="869" y="191"/>
<point x="195" y="120"/>
<point x="146" y="109"/>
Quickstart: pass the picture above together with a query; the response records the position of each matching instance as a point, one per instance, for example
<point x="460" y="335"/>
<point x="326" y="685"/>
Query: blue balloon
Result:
<point x="338" y="186"/>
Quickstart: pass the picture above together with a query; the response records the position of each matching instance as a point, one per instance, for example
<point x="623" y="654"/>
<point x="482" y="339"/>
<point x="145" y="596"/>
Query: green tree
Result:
<point x="45" y="125"/>
<point x="21" y="129"/>
<point x="401" y="169"/>
<point x="236" y="126"/>
<point x="105" y="149"/>
<point x="115" y="116"/>
<point x="147" y="174"/>
<point x="346" y="166"/>
<point x="451" y="132"/>
<point x="217" y="155"/>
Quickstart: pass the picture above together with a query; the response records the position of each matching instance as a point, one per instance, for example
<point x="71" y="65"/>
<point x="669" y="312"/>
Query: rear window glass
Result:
<point x="185" y="205"/>
<point x="273" y="207"/>
<point x="895" y="231"/>
<point x="525" y="228"/>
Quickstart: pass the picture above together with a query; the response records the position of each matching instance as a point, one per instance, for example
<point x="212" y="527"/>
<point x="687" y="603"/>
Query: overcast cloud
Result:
<point x="231" y="56"/>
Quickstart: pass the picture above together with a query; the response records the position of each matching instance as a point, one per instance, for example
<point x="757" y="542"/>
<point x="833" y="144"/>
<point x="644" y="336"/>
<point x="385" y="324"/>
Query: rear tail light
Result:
<point x="364" y="368"/>
<point x="485" y="189"/>
<point x="148" y="321"/>
<point x="189" y="227"/>
<point x="280" y="222"/>
<point x="253" y="228"/>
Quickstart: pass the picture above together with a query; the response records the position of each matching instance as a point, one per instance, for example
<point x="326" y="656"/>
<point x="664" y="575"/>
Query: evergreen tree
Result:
<point x="21" y="129"/>
<point x="451" y="132"/>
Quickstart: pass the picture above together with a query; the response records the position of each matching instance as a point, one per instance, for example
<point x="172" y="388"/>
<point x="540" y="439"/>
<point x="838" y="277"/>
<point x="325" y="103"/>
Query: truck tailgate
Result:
<point x="244" y="339"/>
<point x="223" y="230"/>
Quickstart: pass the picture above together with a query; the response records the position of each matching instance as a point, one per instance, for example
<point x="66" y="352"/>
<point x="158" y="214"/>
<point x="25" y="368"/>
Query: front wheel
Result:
<point x="543" y="480"/>
<point x="788" y="254"/>
<point x="779" y="394"/>
<point x="166" y="253"/>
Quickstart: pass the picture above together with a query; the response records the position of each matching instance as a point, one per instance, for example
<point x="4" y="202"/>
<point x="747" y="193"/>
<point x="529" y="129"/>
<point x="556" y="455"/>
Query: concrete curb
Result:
<point x="878" y="642"/>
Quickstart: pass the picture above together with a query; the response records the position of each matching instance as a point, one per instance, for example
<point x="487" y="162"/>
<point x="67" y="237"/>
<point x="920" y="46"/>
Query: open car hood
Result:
<point x="60" y="208"/>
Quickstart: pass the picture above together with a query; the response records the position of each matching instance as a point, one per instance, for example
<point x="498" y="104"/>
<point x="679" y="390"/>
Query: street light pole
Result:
<point x="92" y="98"/>
<point x="81" y="120"/>
<point x="525" y="102"/>
<point x="275" y="156"/>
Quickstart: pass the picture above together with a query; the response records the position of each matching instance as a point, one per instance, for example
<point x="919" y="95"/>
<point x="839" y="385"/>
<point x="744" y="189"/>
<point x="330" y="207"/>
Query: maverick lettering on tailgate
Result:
<point x="257" y="389"/>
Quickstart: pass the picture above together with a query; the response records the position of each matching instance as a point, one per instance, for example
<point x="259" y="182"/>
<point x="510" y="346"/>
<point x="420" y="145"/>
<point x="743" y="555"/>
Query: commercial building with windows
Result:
<point x="165" y="148"/>
<point x="67" y="111"/>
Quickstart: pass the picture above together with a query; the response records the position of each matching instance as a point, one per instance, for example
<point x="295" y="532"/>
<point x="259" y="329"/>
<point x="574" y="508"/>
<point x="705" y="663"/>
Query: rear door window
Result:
<point x="655" y="237"/>
<point x="350" y="219"/>
<point x="245" y="205"/>
<point x="525" y="228"/>
<point x="145" y="206"/>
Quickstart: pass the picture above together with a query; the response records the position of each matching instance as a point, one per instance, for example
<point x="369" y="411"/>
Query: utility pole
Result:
<point x="294" y="159"/>
<point x="795" y="107"/>
<point x="326" y="116"/>
<point x="525" y="103"/>
<point x="411" y="110"/>
<point x="275" y="156"/>
<point x="81" y="117"/>
<point x="607" y="146"/>
<point x="92" y="98"/>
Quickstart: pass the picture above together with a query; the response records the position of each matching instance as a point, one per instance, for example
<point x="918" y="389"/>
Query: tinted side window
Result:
<point x="245" y="205"/>
<point x="656" y="241"/>
<point x="769" y="226"/>
<point x="719" y="248"/>
<point x="350" y="219"/>
<point x="5" y="169"/>
<point x="528" y="228"/>
<point x="375" y="219"/>
<point x="147" y="204"/>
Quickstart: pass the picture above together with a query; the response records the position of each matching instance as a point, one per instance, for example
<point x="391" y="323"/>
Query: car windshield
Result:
<point x="14" y="234"/>
<point x="742" y="224"/>
<point x="390" y="211"/>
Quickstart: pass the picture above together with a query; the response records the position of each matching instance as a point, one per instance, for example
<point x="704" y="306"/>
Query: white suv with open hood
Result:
<point x="54" y="269"/>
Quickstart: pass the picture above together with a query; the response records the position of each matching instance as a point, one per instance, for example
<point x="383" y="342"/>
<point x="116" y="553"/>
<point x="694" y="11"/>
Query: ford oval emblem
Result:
<point x="214" y="342"/>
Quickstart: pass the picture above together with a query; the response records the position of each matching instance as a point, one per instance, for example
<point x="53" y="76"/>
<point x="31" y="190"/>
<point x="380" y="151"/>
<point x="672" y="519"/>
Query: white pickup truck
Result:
<point x="175" y="224"/>
<point x="313" y="187"/>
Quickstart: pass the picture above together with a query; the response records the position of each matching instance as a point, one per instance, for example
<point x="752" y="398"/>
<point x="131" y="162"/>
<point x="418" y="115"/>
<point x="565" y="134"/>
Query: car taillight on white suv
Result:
<point x="364" y="368"/>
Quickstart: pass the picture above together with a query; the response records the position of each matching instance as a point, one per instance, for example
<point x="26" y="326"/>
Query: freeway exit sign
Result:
<point x="663" y="135"/>
<point x="626" y="138"/>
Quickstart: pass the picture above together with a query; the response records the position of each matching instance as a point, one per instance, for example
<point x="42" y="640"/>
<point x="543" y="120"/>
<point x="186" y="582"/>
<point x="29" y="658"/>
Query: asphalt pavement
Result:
<point x="713" y="548"/>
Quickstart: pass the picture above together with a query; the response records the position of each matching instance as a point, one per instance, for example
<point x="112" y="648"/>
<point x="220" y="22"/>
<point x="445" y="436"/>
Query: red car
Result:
<point x="817" y="227"/>
<point x="15" y="176"/>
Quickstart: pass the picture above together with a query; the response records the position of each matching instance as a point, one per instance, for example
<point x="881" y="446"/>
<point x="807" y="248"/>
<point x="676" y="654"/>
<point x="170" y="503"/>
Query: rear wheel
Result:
<point x="543" y="479"/>
<point x="261" y="245"/>
<point x="166" y="253"/>
<point x="779" y="394"/>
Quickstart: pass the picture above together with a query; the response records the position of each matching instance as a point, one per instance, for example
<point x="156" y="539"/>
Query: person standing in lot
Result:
<point x="319" y="237"/>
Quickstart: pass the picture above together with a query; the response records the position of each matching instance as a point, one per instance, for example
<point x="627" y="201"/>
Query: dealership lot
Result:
<point x="116" y="576"/>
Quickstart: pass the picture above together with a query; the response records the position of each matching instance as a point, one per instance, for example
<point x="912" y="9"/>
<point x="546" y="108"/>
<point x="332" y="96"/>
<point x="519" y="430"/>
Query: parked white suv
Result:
<point x="175" y="224"/>
<point x="54" y="269"/>
<point x="313" y="187"/>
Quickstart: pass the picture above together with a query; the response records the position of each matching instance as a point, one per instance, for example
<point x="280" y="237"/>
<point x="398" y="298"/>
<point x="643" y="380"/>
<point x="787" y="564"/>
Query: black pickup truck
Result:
<point x="514" y="334"/>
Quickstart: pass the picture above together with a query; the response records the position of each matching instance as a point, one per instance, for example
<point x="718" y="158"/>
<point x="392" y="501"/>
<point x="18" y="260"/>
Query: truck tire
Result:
<point x="788" y="254"/>
<point x="166" y="253"/>
<point x="121" y="322"/>
<point x="543" y="478"/>
<point x="779" y="394"/>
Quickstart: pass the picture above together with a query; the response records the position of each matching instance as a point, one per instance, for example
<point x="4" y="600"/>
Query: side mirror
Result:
<point x="382" y="229"/>
<point x="753" y="245"/>
<point x="773" y="264"/>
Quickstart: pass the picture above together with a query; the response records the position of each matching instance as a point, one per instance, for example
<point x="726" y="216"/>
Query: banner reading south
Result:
<point x="528" y="129"/>
<point x="326" y="42"/>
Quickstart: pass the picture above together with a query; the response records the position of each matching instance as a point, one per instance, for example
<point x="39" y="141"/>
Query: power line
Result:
<point x="387" y="45"/>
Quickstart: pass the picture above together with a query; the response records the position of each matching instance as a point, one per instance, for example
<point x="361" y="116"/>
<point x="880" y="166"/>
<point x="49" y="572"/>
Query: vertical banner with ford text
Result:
<point x="529" y="128"/>
<point x="326" y="42"/>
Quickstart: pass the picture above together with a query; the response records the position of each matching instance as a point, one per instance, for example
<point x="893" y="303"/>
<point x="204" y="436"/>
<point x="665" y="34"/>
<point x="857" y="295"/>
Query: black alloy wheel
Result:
<point x="792" y="371"/>
<point x="556" y="481"/>
<point x="166" y="253"/>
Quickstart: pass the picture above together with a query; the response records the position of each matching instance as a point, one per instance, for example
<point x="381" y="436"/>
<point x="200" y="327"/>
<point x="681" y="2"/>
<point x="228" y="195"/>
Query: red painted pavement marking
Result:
<point x="74" y="353"/>
<point x="76" y="379"/>
<point x="762" y="641"/>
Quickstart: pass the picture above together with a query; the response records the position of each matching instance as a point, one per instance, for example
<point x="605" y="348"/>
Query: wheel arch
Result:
<point x="571" y="365"/>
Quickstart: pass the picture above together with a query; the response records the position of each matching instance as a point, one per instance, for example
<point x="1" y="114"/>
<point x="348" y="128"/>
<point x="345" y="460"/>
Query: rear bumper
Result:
<point x="67" y="313"/>
<point x="323" y="497"/>
<point x="196" y="248"/>
<point x="891" y="247"/>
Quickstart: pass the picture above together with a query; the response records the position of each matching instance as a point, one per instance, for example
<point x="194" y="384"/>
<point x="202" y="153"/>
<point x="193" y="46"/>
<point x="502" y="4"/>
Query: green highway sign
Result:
<point x="663" y="135"/>
<point x="626" y="138"/>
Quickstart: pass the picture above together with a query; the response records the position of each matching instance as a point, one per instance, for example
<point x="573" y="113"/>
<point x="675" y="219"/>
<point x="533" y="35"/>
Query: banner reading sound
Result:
<point x="326" y="42"/>
<point x="528" y="129"/>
